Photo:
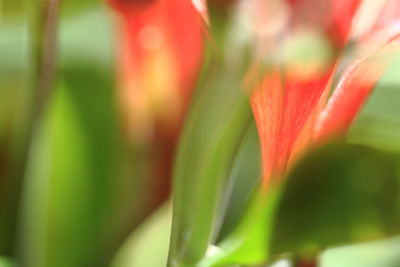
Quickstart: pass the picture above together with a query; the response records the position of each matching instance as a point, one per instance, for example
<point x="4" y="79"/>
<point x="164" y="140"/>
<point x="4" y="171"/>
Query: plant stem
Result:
<point x="44" y="36"/>
<point x="43" y="23"/>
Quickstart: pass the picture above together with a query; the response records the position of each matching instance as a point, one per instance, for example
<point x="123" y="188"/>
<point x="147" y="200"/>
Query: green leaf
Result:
<point x="383" y="253"/>
<point x="339" y="194"/>
<point x="245" y="177"/>
<point x="32" y="101"/>
<point x="248" y="244"/>
<point x="67" y="193"/>
<point x="6" y="262"/>
<point x="148" y="244"/>
<point x="243" y="180"/>
<point x="219" y="117"/>
<point x="208" y="145"/>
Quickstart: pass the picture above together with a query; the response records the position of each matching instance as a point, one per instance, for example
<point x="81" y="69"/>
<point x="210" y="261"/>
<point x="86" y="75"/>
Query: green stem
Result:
<point x="43" y="25"/>
<point x="44" y="36"/>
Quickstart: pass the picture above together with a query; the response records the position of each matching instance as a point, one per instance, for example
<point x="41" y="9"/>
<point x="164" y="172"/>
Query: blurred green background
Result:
<point x="86" y="190"/>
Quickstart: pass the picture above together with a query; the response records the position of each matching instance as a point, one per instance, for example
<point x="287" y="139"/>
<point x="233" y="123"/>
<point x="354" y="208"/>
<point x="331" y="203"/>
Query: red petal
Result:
<point x="351" y="92"/>
<point x="187" y="39"/>
<point x="127" y="6"/>
<point x="281" y="111"/>
<point x="385" y="27"/>
<point x="343" y="13"/>
<point x="301" y="97"/>
<point x="267" y="104"/>
<point x="159" y="59"/>
<point x="182" y="31"/>
<point x="389" y="17"/>
<point x="306" y="137"/>
<point x="361" y="77"/>
<point x="332" y="16"/>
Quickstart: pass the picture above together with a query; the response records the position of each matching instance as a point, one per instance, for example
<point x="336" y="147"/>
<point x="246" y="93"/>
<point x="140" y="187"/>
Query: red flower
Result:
<point x="159" y="59"/>
<point x="333" y="16"/>
<point x="358" y="80"/>
<point x="159" y="56"/>
<point x="291" y="104"/>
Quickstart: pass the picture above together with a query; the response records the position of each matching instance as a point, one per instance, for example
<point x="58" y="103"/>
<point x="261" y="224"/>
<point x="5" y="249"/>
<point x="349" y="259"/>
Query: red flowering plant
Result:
<point x="293" y="105"/>
<point x="315" y="63"/>
<point x="233" y="133"/>
<point x="157" y="62"/>
<point x="157" y="66"/>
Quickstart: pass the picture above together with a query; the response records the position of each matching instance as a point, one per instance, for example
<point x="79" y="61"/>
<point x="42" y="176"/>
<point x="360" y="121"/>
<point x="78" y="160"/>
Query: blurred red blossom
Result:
<point x="159" y="58"/>
<point x="333" y="16"/>
<point x="293" y="107"/>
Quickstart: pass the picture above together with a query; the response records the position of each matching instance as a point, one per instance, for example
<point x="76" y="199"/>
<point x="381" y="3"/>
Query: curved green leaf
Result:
<point x="339" y="194"/>
<point x="148" y="244"/>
